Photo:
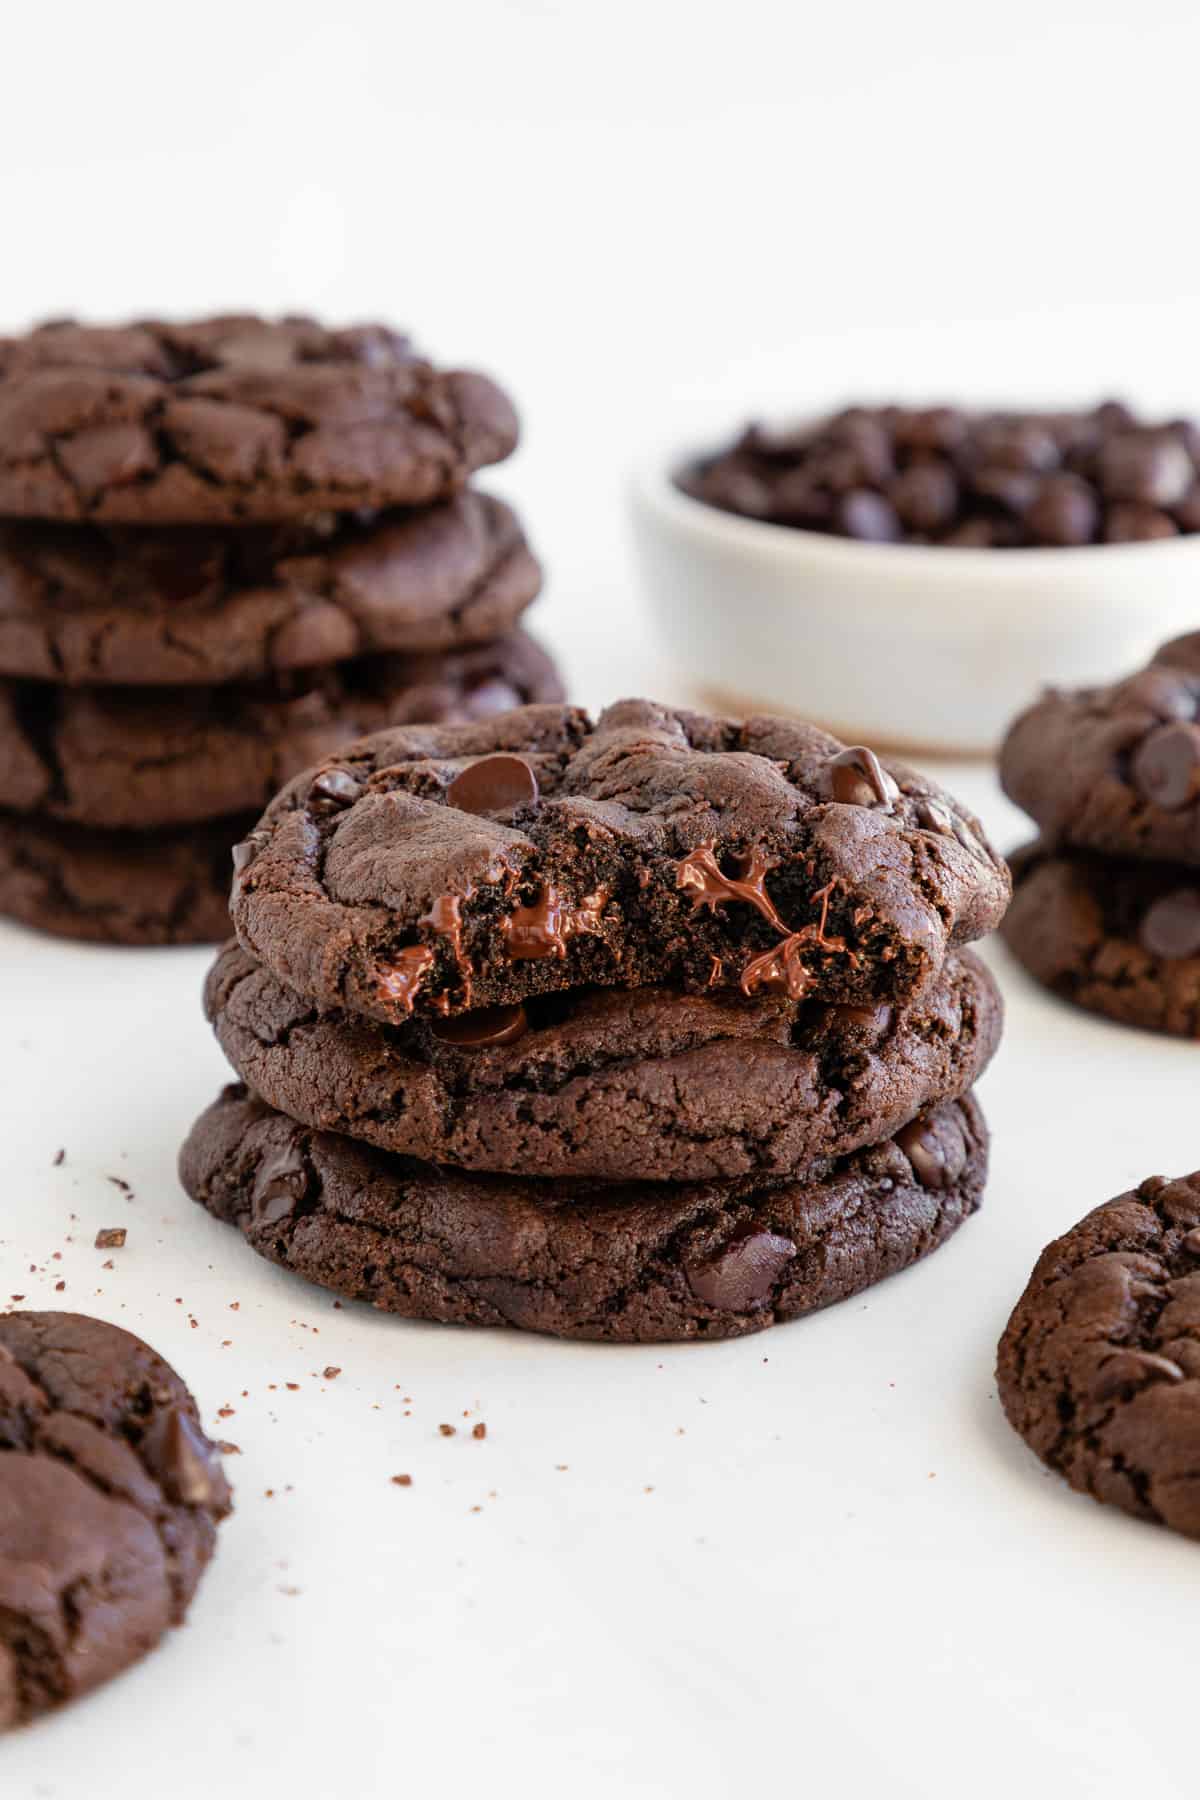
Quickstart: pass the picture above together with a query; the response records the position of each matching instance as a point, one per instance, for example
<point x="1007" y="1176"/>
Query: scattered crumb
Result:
<point x="475" y="1509"/>
<point x="562" y="1467"/>
<point x="292" y="1386"/>
<point x="226" y="1412"/>
<point x="647" y="1490"/>
<point x="479" y="1431"/>
<point x="332" y="1373"/>
<point x="16" y="1296"/>
<point x="291" y="1592"/>
<point x="111" y="1237"/>
<point x="228" y="1449"/>
<point x="401" y="1480"/>
<point x="58" y="1159"/>
<point x="59" y="1286"/>
<point x="233" y="1305"/>
<point x="120" y="1182"/>
<point x="447" y="1430"/>
<point x="110" y="1264"/>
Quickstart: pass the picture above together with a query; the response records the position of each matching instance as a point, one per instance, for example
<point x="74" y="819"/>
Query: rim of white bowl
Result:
<point x="655" y="484"/>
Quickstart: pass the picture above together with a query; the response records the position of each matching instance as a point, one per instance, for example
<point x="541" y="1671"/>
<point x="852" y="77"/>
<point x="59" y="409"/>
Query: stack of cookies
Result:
<point x="649" y="1029"/>
<point x="227" y="548"/>
<point x="1106" y="911"/>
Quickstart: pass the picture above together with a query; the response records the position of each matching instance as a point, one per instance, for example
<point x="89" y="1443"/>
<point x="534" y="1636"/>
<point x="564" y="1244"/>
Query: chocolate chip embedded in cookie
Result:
<point x="1099" y="1368"/>
<point x="195" y="606"/>
<point x="632" y="1262"/>
<point x="616" y="1082"/>
<point x="1119" y="938"/>
<point x="110" y="1495"/>
<point x="118" y="887"/>
<point x="144" y="757"/>
<point x="1117" y="768"/>
<point x="656" y="847"/>
<point x="228" y="420"/>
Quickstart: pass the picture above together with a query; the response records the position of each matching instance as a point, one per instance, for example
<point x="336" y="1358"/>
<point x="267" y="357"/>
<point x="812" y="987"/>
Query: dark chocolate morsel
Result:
<point x="494" y="784"/>
<point x="280" y="1185"/>
<point x="1166" y="765"/>
<point x="859" y="779"/>
<point x="742" y="1274"/>
<point x="936" y="1150"/>
<point x="1171" y="927"/>
<point x="1127" y="1370"/>
<point x="336" y="786"/>
<point x="487" y="1025"/>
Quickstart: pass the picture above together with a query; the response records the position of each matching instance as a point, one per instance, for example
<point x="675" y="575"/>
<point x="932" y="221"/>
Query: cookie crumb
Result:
<point x="332" y="1373"/>
<point x="479" y="1431"/>
<point x="447" y="1430"/>
<point x="120" y="1182"/>
<point x="292" y="1386"/>
<point x="58" y="1159"/>
<point x="401" y="1480"/>
<point x="59" y="1286"/>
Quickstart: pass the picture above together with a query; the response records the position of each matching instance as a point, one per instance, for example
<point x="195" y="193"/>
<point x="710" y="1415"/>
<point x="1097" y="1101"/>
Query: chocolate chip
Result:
<point x="1131" y="523"/>
<point x="865" y="515"/>
<point x="1014" y="489"/>
<point x="865" y="1021"/>
<point x="936" y="1149"/>
<point x="925" y="496"/>
<point x="335" y="788"/>
<point x="280" y="1185"/>
<point x="494" y="784"/>
<point x="1191" y="1243"/>
<point x="858" y="778"/>
<point x="487" y="1025"/>
<point x="1127" y="1370"/>
<point x="1063" y="511"/>
<point x="932" y="817"/>
<point x="740" y="1277"/>
<point x="1171" y="928"/>
<point x="1166" y="765"/>
<point x="185" y="1463"/>
<point x="1153" y="468"/>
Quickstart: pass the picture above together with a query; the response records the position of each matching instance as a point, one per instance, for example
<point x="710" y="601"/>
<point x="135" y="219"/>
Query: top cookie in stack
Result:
<point x="1107" y="906"/>
<point x="226" y="548"/>
<point x="654" y="1028"/>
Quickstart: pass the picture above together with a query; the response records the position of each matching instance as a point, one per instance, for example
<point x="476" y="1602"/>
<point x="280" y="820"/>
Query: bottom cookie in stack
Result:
<point x="1118" y="937"/>
<point x="119" y="807"/>
<point x="623" y="1262"/>
<point x="492" y="1168"/>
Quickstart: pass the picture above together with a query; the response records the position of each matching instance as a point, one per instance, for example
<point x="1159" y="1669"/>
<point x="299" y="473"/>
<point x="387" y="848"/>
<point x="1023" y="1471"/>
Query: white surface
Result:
<point x="814" y="1557"/>
<point x="861" y="636"/>
<point x="849" y="1578"/>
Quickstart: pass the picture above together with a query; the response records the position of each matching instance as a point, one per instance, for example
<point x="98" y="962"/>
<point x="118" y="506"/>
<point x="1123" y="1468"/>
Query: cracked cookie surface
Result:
<point x="234" y="419"/>
<point x="1099" y="1367"/>
<point x="631" y="1262"/>
<point x="457" y="867"/>
<point x="144" y="757"/>
<point x="611" y="1082"/>
<point x="110" y="1495"/>
<point x="1120" y="938"/>
<point x="117" y="887"/>
<point x="1116" y="769"/>
<point x="182" y="605"/>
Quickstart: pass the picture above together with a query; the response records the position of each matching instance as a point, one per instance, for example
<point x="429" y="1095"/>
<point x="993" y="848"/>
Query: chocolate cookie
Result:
<point x="110" y="1496"/>
<point x="1099" y="1368"/>
<point x="1116" y="768"/>
<point x="459" y="867"/>
<point x="145" y="757"/>
<point x="118" y="887"/>
<point x="1119" y="938"/>
<point x="630" y="1262"/>
<point x="232" y="419"/>
<point x="612" y="1082"/>
<point x="183" y="605"/>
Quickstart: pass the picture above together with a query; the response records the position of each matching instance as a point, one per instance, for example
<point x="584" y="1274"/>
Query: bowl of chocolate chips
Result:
<point x="908" y="575"/>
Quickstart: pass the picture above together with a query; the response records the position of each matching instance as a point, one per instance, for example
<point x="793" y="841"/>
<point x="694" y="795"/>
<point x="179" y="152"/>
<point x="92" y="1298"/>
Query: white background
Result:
<point x="847" y="1575"/>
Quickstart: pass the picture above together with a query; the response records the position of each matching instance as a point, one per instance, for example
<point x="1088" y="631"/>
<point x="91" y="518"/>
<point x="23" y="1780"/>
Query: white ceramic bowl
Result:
<point x="912" y="647"/>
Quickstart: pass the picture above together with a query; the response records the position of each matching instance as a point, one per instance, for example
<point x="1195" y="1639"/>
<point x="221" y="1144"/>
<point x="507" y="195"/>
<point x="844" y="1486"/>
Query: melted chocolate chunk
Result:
<point x="1171" y="928"/>
<point x="1166" y="765"/>
<point x="485" y="1027"/>
<point x="741" y="1276"/>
